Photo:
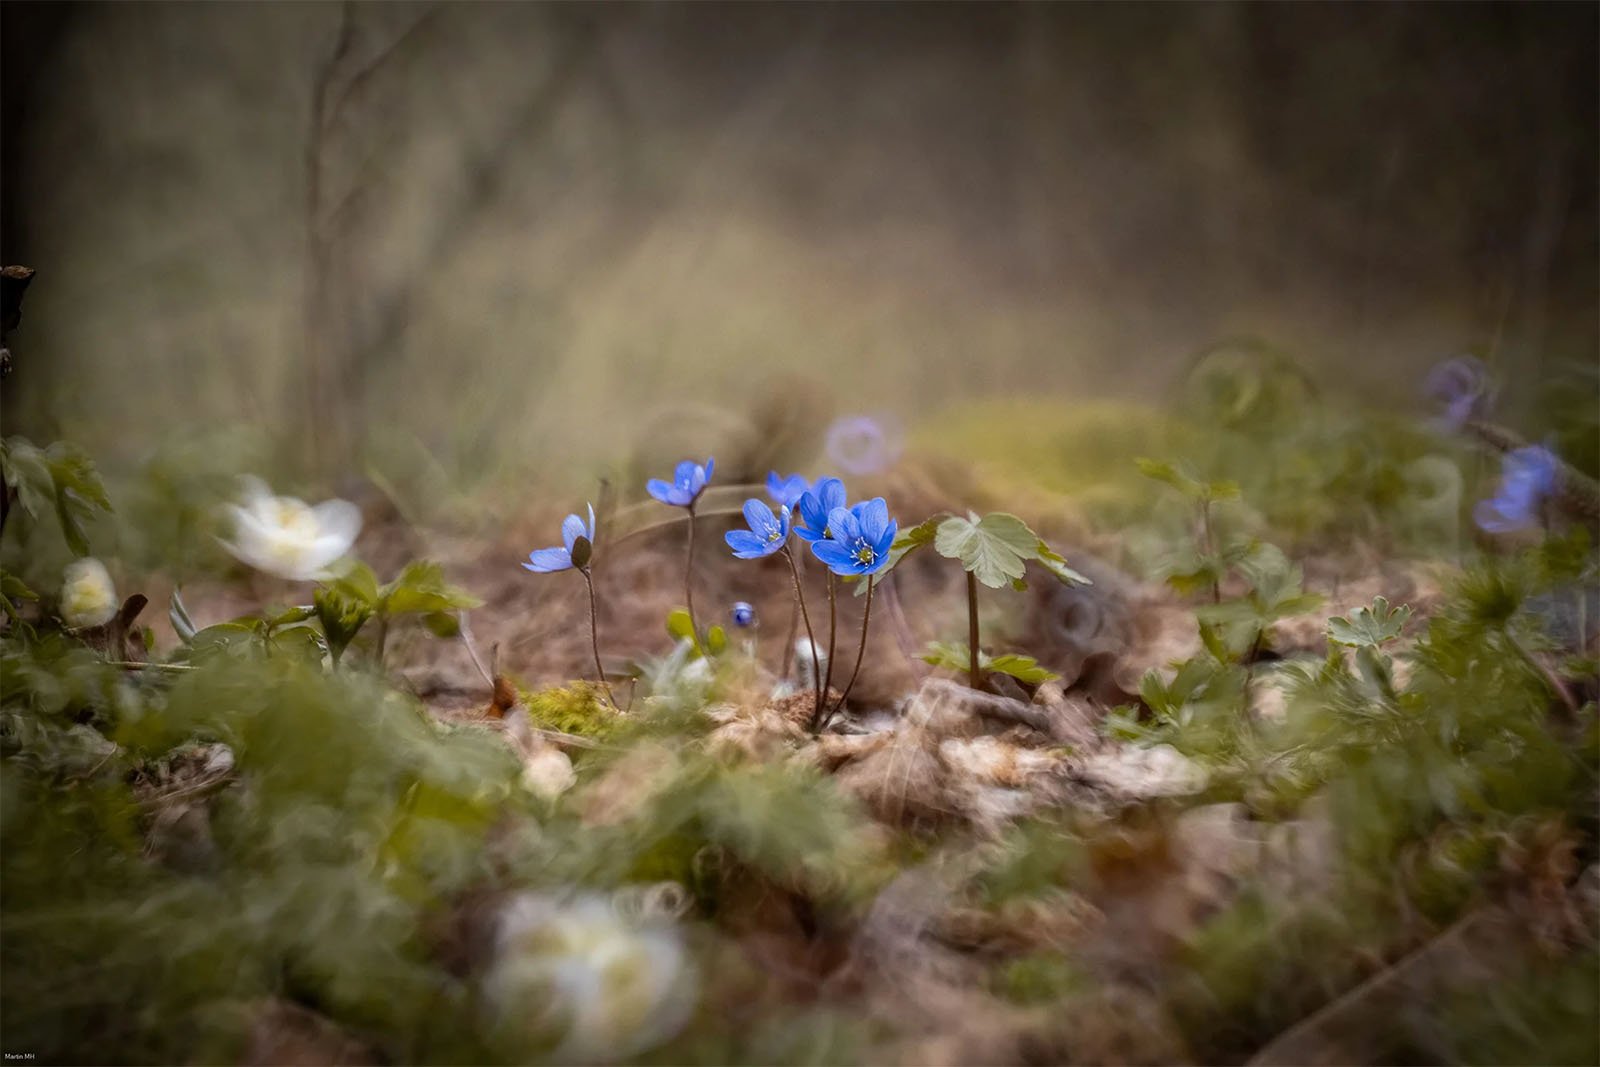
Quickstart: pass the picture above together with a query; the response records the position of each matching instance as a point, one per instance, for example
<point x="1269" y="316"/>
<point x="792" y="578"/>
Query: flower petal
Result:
<point x="572" y="528"/>
<point x="659" y="489"/>
<point x="589" y="533"/>
<point x="745" y="544"/>
<point x="872" y="517"/>
<point x="546" y="560"/>
<point x="839" y="559"/>
<point x="842" y="525"/>
<point x="759" y="518"/>
<point x="338" y="519"/>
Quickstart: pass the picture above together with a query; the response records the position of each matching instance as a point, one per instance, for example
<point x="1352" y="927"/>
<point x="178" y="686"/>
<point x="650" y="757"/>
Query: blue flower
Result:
<point x="688" y="481"/>
<point x="1527" y="476"/>
<point x="861" y="445"/>
<point x="786" y="491"/>
<point x="814" y="507"/>
<point x="1462" y="387"/>
<point x="767" y="533"/>
<point x="547" y="560"/>
<point x="743" y="615"/>
<point x="861" y="539"/>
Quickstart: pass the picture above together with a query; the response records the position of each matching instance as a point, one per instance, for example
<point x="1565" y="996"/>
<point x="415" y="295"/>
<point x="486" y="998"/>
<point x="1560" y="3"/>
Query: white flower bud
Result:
<point x="87" y="596"/>
<point x="547" y="772"/>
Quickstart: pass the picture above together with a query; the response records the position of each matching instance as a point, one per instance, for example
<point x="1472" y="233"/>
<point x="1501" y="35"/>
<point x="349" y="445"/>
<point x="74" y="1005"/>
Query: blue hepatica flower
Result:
<point x="688" y="481"/>
<point x="786" y="492"/>
<point x="861" y="538"/>
<point x="743" y="615"/>
<point x="547" y="560"/>
<point x="861" y="445"/>
<point x="814" y="507"/>
<point x="767" y="533"/>
<point x="1461" y="386"/>
<point x="1527" y="476"/>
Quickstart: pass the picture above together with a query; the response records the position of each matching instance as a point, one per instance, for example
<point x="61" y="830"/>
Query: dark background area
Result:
<point x="406" y="219"/>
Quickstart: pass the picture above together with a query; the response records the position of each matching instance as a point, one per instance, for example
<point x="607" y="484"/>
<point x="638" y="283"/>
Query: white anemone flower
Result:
<point x="547" y="772"/>
<point x="288" y="537"/>
<point x="87" y="596"/>
<point x="579" y="974"/>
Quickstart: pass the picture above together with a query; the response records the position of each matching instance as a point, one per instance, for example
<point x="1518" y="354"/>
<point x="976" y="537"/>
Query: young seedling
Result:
<point x="994" y="550"/>
<point x="1209" y="564"/>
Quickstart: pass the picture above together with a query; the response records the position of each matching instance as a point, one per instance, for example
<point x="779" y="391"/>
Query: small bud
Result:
<point x="743" y="615"/>
<point x="88" y="598"/>
<point x="582" y="551"/>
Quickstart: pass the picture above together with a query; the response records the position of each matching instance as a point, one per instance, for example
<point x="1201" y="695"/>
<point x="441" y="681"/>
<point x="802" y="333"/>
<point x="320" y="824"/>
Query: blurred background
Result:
<point x="511" y="241"/>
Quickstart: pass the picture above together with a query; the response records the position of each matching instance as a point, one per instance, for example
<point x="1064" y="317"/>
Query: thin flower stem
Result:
<point x="794" y="618"/>
<point x="861" y="654"/>
<point x="594" y="640"/>
<point x="974" y="675"/>
<point x="833" y="629"/>
<point x="688" y="579"/>
<point x="800" y="599"/>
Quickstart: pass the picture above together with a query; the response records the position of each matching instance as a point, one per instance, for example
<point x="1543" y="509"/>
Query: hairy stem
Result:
<point x="800" y="599"/>
<point x="594" y="639"/>
<point x="861" y="654"/>
<point x="794" y="619"/>
<point x="973" y="674"/>
<point x="688" y="579"/>
<point x="833" y="629"/>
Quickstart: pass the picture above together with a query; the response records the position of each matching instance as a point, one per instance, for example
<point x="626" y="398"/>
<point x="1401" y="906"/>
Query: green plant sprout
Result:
<point x="1209" y="564"/>
<point x="993" y="550"/>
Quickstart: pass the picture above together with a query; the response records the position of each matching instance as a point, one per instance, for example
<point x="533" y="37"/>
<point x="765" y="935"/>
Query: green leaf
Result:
<point x="1056" y="564"/>
<point x="1185" y="482"/>
<point x="178" y="615"/>
<point x="343" y="613"/>
<point x="443" y="623"/>
<point x="994" y="549"/>
<point x="293" y="615"/>
<point x="420" y="589"/>
<point x="956" y="656"/>
<point x="14" y="588"/>
<point x="1369" y="627"/>
<point x="1022" y="668"/>
<point x="358" y="585"/>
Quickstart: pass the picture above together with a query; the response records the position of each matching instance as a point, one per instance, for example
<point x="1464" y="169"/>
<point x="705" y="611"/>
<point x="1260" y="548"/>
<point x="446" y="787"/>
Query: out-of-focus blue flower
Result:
<point x="743" y="615"/>
<point x="786" y="492"/>
<point x="858" y="444"/>
<point x="861" y="538"/>
<point x="1461" y="386"/>
<point x="547" y="560"/>
<point x="688" y="481"/>
<point x="814" y="507"/>
<point x="767" y="533"/>
<point x="1527" y="476"/>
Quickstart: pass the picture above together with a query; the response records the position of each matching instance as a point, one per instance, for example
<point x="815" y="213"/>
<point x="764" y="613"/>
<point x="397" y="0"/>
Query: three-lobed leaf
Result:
<point x="956" y="656"/>
<point x="1369" y="627"/>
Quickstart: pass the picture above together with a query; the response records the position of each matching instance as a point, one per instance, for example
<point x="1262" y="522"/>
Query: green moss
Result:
<point x="576" y="708"/>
